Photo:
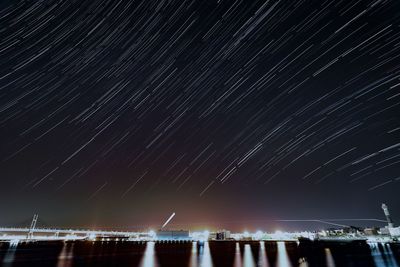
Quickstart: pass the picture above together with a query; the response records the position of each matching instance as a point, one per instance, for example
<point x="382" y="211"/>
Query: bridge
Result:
<point x="34" y="233"/>
<point x="55" y="231"/>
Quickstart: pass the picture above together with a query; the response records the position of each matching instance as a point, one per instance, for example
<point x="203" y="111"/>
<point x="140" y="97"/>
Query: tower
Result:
<point x="32" y="227"/>
<point x="387" y="214"/>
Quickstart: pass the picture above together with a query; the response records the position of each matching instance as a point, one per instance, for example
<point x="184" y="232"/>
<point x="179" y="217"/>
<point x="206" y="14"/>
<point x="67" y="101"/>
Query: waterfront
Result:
<point x="197" y="254"/>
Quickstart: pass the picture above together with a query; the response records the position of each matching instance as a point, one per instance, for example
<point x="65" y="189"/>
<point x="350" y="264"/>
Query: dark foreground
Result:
<point x="222" y="253"/>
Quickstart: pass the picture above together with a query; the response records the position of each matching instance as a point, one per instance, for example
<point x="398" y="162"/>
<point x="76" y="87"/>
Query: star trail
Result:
<point x="120" y="112"/>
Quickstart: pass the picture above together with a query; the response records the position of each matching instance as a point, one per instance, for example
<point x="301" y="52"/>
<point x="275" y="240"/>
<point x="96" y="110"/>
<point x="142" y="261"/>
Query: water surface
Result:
<point x="195" y="254"/>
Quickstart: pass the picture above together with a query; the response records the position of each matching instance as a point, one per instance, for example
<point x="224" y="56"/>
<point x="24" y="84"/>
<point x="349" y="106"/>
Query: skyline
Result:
<point x="118" y="113"/>
<point x="272" y="225"/>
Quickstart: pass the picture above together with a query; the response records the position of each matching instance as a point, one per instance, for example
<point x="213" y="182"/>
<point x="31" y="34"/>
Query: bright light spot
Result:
<point x="206" y="233"/>
<point x="279" y="235"/>
<point x="92" y="236"/>
<point x="204" y="236"/>
<point x="152" y="234"/>
<point x="246" y="234"/>
<point x="258" y="235"/>
<point x="14" y="242"/>
<point x="70" y="237"/>
<point x="200" y="236"/>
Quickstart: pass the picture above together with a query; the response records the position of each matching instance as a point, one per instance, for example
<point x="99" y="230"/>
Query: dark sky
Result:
<point x="116" y="113"/>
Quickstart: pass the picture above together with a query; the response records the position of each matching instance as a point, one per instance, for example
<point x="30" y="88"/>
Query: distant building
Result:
<point x="384" y="231"/>
<point x="395" y="231"/>
<point x="340" y="231"/>
<point x="172" y="235"/>
<point x="333" y="232"/>
<point x="370" y="231"/>
<point x="223" y="235"/>
<point x="212" y="236"/>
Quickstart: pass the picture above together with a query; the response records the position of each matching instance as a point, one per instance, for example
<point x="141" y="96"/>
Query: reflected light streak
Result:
<point x="376" y="254"/>
<point x="283" y="259"/>
<point x="10" y="255"/>
<point x="329" y="259"/>
<point x="238" y="260"/>
<point x="65" y="257"/>
<point x="193" y="255"/>
<point x="248" y="257"/>
<point x="263" y="261"/>
<point x="205" y="256"/>
<point x="149" y="257"/>
<point x="384" y="259"/>
<point x="389" y="254"/>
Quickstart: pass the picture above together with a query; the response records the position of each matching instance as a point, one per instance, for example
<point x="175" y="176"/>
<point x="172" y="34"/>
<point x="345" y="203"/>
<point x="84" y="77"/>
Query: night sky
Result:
<point x="116" y="113"/>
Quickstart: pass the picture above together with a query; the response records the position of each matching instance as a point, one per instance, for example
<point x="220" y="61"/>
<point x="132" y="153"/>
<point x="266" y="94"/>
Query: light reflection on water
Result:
<point x="149" y="257"/>
<point x="193" y="255"/>
<point x="248" y="260"/>
<point x="329" y="259"/>
<point x="10" y="254"/>
<point x="198" y="255"/>
<point x="392" y="260"/>
<point x="65" y="259"/>
<point x="283" y="258"/>
<point x="205" y="256"/>
<point x="238" y="259"/>
<point x="382" y="255"/>
<point x="263" y="262"/>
